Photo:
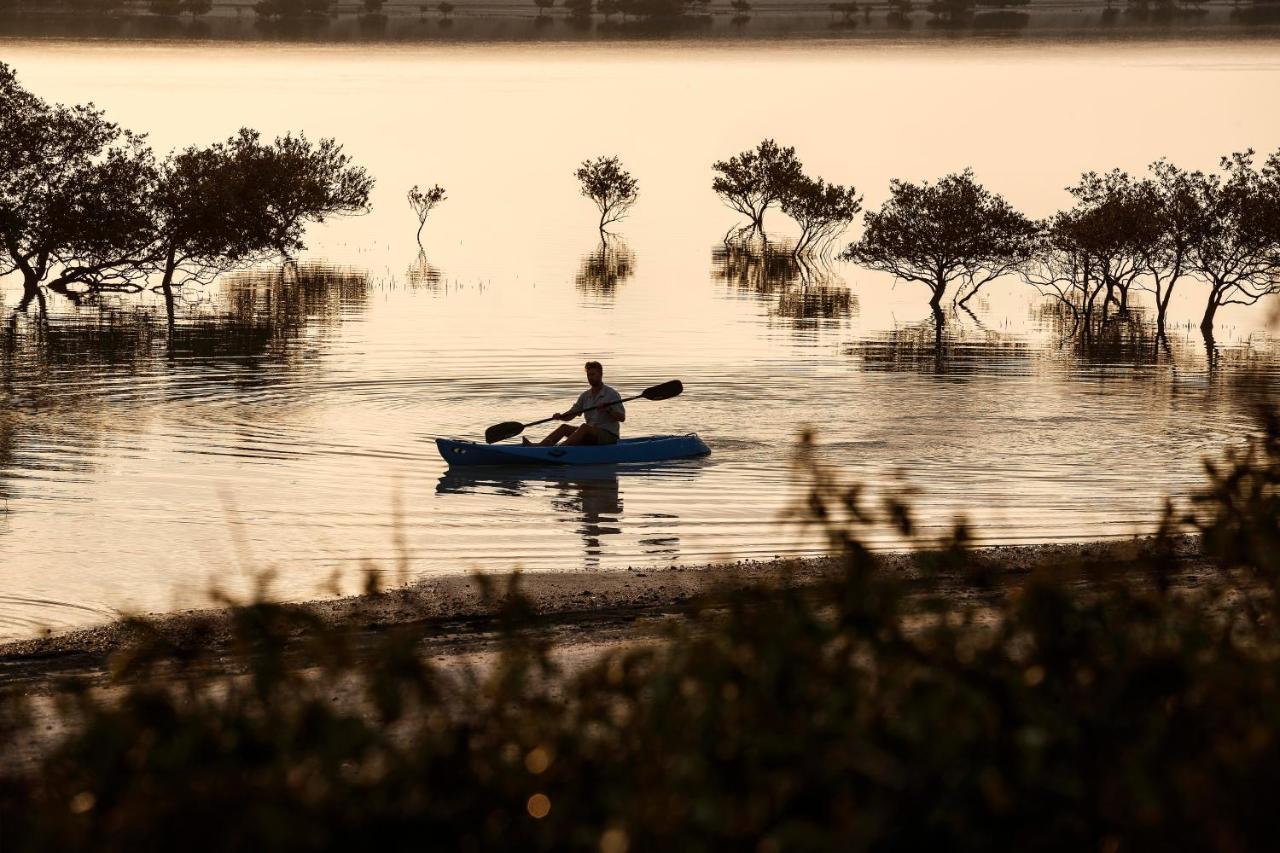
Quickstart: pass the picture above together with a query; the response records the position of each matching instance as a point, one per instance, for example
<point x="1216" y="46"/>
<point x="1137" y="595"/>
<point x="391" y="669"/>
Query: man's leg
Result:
<point x="562" y="431"/>
<point x="585" y="434"/>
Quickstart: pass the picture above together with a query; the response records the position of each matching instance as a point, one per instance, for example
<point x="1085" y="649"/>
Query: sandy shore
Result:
<point x="581" y="612"/>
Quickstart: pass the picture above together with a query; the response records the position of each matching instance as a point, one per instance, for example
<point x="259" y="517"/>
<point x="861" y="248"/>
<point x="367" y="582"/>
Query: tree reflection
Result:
<point x="606" y="267"/>
<point x="70" y="370"/>
<point x="941" y="347"/>
<point x="422" y="274"/>
<point x="803" y="290"/>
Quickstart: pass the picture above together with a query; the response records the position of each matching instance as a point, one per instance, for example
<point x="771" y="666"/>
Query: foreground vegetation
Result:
<point x="1136" y="711"/>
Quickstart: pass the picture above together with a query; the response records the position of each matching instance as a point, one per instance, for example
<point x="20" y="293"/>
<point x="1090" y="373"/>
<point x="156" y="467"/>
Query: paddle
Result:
<point x="510" y="429"/>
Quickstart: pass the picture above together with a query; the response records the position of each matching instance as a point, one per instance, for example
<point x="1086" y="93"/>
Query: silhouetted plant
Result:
<point x="83" y="203"/>
<point x="741" y="7"/>
<point x="1236" y="248"/>
<point x="952" y="231"/>
<point x="543" y="5"/>
<point x="1124" y="228"/>
<point x="753" y="181"/>
<point x="372" y="7"/>
<point x="423" y="202"/>
<point x="823" y="211"/>
<point x="197" y="8"/>
<point x="610" y="186"/>
<point x="579" y="8"/>
<point x="244" y="201"/>
<point x="1171" y="198"/>
<point x="73" y="187"/>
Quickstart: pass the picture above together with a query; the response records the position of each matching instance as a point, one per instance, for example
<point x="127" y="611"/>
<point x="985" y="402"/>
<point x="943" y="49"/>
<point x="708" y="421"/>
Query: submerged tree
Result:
<point x="610" y="186"/>
<point x="72" y="190"/>
<point x="1124" y="228"/>
<point x="952" y="231"/>
<point x="1236" y="248"/>
<point x="1170" y="198"/>
<point x="423" y="203"/>
<point x="821" y="210"/>
<point x="753" y="181"/>
<point x="243" y="201"/>
<point x="83" y="202"/>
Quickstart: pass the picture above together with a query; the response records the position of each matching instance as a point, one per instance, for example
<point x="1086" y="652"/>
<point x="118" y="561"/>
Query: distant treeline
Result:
<point x="944" y="12"/>
<point x="1220" y="229"/>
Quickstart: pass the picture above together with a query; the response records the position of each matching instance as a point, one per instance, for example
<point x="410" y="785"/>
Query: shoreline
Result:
<point x="451" y="619"/>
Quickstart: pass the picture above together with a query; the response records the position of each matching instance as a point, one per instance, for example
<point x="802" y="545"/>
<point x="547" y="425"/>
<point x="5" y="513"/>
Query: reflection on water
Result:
<point x="804" y="290"/>
<point x="421" y="273"/>
<point x="939" y="347"/>
<point x="605" y="267"/>
<point x="588" y="497"/>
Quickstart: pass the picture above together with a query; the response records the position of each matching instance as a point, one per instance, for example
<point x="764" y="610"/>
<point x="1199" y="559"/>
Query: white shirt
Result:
<point x="600" y="418"/>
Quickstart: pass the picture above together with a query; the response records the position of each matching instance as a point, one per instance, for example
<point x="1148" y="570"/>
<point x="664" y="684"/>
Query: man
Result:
<point x="601" y="425"/>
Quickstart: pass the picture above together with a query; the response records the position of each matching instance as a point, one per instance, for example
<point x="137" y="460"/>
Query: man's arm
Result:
<point x="616" y="410"/>
<point x="570" y="413"/>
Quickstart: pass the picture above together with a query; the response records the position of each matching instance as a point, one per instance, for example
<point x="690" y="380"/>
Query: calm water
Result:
<point x="286" y="420"/>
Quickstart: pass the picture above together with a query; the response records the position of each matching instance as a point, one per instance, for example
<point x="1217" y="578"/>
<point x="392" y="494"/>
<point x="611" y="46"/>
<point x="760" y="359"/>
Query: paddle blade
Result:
<point x="503" y="431"/>
<point x="665" y="391"/>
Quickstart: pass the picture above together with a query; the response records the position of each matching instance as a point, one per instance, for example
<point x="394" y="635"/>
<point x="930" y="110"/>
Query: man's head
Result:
<point x="595" y="374"/>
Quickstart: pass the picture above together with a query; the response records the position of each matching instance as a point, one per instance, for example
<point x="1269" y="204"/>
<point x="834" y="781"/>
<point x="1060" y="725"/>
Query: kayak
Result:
<point x="650" y="448"/>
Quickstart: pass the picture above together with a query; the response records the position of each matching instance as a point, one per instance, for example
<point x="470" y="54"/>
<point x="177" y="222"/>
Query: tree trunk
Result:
<point x="1162" y="309"/>
<point x="1210" y="311"/>
<point x="939" y="290"/>
<point x="939" y="361"/>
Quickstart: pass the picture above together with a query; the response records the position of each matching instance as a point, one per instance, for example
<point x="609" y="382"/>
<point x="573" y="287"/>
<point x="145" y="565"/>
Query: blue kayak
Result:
<point x="651" y="448"/>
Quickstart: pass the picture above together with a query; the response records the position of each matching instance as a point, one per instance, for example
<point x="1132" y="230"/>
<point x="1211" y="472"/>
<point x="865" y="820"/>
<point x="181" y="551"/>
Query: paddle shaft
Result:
<point x="573" y="414"/>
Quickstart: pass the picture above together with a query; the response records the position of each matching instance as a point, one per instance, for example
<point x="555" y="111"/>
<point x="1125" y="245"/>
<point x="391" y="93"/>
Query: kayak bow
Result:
<point x="652" y="448"/>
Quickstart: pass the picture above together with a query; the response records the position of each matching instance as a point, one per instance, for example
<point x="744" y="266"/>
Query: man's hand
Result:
<point x="565" y="416"/>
